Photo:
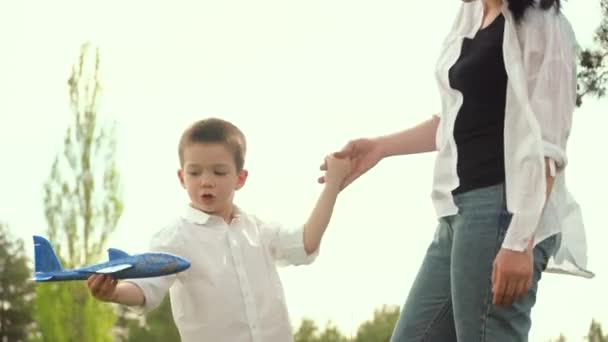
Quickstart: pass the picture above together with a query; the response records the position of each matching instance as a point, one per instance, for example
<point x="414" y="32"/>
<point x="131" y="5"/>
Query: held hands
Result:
<point x="365" y="153"/>
<point x="102" y="287"/>
<point x="337" y="169"/>
<point x="512" y="275"/>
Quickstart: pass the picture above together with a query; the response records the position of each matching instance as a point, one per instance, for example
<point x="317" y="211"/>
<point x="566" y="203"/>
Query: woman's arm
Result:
<point x="417" y="139"/>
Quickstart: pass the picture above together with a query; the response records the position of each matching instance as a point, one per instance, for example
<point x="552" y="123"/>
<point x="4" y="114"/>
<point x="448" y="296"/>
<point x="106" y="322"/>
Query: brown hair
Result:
<point x="519" y="7"/>
<point x="214" y="130"/>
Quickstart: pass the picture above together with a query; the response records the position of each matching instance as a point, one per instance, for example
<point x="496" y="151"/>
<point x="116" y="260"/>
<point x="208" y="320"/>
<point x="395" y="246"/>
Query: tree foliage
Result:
<point x="378" y="329"/>
<point x="593" y="71"/>
<point x="158" y="326"/>
<point x="82" y="201"/>
<point x="16" y="289"/>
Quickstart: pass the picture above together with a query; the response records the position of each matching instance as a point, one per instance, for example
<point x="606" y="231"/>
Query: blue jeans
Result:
<point x="451" y="298"/>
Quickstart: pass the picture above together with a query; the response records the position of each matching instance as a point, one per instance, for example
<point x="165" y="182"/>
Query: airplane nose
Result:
<point x="182" y="263"/>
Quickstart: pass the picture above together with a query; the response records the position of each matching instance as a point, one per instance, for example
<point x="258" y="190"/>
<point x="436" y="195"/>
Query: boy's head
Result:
<point x="212" y="158"/>
<point x="215" y="131"/>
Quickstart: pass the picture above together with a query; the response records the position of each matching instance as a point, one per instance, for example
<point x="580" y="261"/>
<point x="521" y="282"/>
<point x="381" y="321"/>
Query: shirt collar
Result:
<point x="197" y="216"/>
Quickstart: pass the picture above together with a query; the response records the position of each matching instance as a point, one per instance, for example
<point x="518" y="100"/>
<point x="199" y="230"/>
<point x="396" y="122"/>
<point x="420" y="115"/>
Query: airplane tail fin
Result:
<point x="44" y="256"/>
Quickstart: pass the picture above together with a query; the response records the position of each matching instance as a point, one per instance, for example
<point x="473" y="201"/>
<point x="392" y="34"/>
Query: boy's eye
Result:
<point x="220" y="173"/>
<point x="194" y="173"/>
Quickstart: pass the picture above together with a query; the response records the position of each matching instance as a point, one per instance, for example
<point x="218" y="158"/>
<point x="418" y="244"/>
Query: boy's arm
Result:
<point x="107" y="289"/>
<point x="337" y="170"/>
<point x="320" y="217"/>
<point x="301" y="245"/>
<point x="128" y="293"/>
<point x="146" y="293"/>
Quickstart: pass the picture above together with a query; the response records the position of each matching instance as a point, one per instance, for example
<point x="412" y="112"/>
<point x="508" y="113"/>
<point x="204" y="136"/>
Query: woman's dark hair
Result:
<point x="519" y="7"/>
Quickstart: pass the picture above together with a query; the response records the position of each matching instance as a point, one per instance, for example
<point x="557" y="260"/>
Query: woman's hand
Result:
<point x="365" y="153"/>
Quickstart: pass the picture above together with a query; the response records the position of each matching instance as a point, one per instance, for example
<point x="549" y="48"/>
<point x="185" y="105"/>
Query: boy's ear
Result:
<point x="180" y="175"/>
<point x="241" y="179"/>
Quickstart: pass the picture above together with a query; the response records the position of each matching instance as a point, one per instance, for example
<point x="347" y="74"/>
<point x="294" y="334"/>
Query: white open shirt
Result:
<point x="540" y="55"/>
<point x="232" y="291"/>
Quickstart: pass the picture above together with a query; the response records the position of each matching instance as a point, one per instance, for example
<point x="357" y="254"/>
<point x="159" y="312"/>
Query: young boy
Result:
<point x="232" y="291"/>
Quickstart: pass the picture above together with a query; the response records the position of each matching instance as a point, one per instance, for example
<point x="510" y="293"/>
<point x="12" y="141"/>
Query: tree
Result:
<point x="595" y="333"/>
<point x="309" y="332"/>
<point x="306" y="332"/>
<point x="159" y="326"/>
<point x="16" y="291"/>
<point x="124" y="318"/>
<point x="331" y="334"/>
<point x="593" y="74"/>
<point x="82" y="201"/>
<point x="380" y="328"/>
<point x="561" y="338"/>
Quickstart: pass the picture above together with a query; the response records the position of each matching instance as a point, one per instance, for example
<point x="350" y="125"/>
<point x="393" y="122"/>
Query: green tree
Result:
<point x="306" y="332"/>
<point x="595" y="333"/>
<point x="16" y="291"/>
<point x="309" y="332"/>
<point x="331" y="334"/>
<point x="593" y="72"/>
<point x="561" y="338"/>
<point x="123" y="322"/>
<point x="159" y="326"/>
<point x="82" y="201"/>
<point x="380" y="327"/>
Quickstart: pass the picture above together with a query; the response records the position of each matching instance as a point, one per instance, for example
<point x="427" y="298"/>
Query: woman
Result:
<point x="507" y="80"/>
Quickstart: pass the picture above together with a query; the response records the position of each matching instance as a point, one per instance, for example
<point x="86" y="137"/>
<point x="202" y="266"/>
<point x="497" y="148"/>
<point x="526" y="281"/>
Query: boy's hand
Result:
<point x="337" y="170"/>
<point x="102" y="287"/>
<point x="365" y="154"/>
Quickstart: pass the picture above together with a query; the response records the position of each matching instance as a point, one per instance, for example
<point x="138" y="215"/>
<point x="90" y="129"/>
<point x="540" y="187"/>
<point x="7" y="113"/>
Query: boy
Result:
<point x="232" y="291"/>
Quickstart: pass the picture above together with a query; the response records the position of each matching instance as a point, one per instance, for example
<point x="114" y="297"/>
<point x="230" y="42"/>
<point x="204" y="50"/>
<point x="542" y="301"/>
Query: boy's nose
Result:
<point x="207" y="182"/>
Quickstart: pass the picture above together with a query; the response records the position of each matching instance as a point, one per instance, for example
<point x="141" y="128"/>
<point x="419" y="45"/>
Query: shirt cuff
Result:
<point x="153" y="295"/>
<point x="520" y="231"/>
<point x="292" y="247"/>
<point x="555" y="153"/>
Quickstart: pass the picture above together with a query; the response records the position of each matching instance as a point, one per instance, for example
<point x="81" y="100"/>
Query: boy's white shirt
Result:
<point x="540" y="57"/>
<point x="232" y="291"/>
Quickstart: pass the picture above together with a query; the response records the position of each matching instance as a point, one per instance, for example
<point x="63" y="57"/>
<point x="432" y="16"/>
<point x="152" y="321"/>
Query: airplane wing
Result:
<point x="114" y="269"/>
<point x="40" y="277"/>
<point x="114" y="253"/>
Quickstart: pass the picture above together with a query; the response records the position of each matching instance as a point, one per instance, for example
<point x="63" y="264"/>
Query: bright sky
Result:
<point x="300" y="78"/>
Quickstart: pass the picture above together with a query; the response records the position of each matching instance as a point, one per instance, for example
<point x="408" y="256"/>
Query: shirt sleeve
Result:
<point x="549" y="60"/>
<point x="154" y="289"/>
<point x="285" y="244"/>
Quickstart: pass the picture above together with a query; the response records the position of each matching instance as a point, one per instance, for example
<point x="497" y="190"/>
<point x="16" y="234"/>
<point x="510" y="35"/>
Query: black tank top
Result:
<point x="480" y="75"/>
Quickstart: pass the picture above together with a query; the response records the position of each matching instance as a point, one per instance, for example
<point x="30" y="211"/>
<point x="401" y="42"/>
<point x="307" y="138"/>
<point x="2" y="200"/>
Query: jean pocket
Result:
<point x="547" y="249"/>
<point x="505" y="222"/>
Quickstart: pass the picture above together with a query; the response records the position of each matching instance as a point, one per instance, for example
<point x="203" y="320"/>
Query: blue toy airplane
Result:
<point x="120" y="266"/>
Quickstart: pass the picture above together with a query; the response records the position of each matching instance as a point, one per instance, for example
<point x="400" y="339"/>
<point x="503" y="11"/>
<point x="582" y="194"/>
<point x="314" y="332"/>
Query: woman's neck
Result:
<point x="492" y="5"/>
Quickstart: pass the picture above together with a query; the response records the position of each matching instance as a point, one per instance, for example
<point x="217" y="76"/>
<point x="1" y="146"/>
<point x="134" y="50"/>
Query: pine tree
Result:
<point x="16" y="289"/>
